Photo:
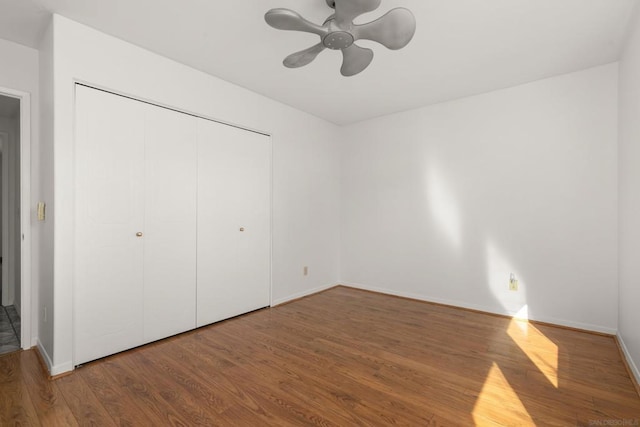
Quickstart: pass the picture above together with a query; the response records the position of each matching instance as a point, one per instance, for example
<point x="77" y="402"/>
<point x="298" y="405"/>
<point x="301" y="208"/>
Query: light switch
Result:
<point x="41" y="211"/>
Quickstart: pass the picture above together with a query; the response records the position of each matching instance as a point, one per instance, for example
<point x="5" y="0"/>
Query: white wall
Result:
<point x="45" y="229"/>
<point x="19" y="71"/>
<point x="629" y="208"/>
<point x="444" y="202"/>
<point x="305" y="161"/>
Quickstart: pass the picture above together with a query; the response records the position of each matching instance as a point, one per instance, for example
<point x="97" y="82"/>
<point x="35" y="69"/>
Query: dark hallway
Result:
<point x="9" y="329"/>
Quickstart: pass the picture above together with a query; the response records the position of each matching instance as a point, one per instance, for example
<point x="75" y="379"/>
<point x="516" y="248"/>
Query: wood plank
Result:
<point x="84" y="405"/>
<point x="295" y="378"/>
<point x="341" y="357"/>
<point x="113" y="397"/>
<point x="16" y="407"/>
<point x="264" y="398"/>
<point x="136" y="388"/>
<point x="183" y="389"/>
<point x="49" y="403"/>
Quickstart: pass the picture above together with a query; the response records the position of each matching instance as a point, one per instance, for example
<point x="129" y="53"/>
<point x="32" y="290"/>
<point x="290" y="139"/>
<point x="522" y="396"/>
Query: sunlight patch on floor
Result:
<point x="539" y="349"/>
<point x="499" y="403"/>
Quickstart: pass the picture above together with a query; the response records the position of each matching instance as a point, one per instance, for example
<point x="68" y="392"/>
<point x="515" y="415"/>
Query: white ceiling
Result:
<point x="461" y="47"/>
<point x="22" y="21"/>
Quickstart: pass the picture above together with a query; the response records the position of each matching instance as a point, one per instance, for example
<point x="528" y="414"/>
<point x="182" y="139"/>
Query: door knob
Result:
<point x="139" y="234"/>
<point x="241" y="228"/>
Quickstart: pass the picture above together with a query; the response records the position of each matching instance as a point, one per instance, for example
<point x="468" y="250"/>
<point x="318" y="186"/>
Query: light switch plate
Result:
<point x="41" y="211"/>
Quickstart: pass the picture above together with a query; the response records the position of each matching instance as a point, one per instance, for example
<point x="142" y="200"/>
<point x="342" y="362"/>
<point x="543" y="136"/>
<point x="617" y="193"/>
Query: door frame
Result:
<point x="4" y="221"/>
<point x="26" y="311"/>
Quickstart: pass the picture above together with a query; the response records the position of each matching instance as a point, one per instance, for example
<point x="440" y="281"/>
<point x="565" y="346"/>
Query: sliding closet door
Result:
<point x="234" y="237"/>
<point x="108" y="293"/>
<point x="170" y="223"/>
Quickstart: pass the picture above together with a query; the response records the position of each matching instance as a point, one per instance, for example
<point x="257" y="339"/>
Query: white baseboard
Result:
<point x="53" y="369"/>
<point x="630" y="361"/>
<point x="44" y="354"/>
<point x="308" y="292"/>
<point x="493" y="310"/>
<point x="61" y="369"/>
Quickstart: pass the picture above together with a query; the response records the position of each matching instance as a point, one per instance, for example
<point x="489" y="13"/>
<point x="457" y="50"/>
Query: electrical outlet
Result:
<point x="305" y="271"/>
<point x="513" y="283"/>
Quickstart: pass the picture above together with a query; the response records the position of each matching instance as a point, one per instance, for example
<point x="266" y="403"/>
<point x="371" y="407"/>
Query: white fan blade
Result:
<point x="304" y="57"/>
<point x="286" y="19"/>
<point x="348" y="10"/>
<point x="355" y="60"/>
<point x="394" y="30"/>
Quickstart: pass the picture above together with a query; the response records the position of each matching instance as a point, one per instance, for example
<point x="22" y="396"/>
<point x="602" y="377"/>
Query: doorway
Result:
<point x="15" y="286"/>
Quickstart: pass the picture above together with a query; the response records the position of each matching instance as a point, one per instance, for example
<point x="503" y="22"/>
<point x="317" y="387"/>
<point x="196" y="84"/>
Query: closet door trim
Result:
<point x="168" y="107"/>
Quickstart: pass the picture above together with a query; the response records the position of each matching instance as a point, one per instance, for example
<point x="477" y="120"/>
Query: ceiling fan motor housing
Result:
<point x="338" y="40"/>
<point x="338" y="37"/>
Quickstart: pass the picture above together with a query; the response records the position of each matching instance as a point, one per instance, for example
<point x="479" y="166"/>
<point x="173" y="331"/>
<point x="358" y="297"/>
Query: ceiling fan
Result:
<point x="393" y="30"/>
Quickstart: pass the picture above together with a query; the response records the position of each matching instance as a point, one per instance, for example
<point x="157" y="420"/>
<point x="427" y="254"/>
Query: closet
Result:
<point x="172" y="223"/>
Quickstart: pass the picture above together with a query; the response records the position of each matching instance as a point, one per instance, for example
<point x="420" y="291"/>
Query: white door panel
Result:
<point x="170" y="223"/>
<point x="108" y="291"/>
<point x="233" y="194"/>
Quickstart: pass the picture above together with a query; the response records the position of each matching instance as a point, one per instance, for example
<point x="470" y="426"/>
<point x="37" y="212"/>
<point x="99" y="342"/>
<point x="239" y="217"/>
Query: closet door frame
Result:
<point x="134" y="97"/>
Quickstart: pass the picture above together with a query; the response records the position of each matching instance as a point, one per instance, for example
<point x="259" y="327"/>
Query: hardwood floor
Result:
<point x="342" y="357"/>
